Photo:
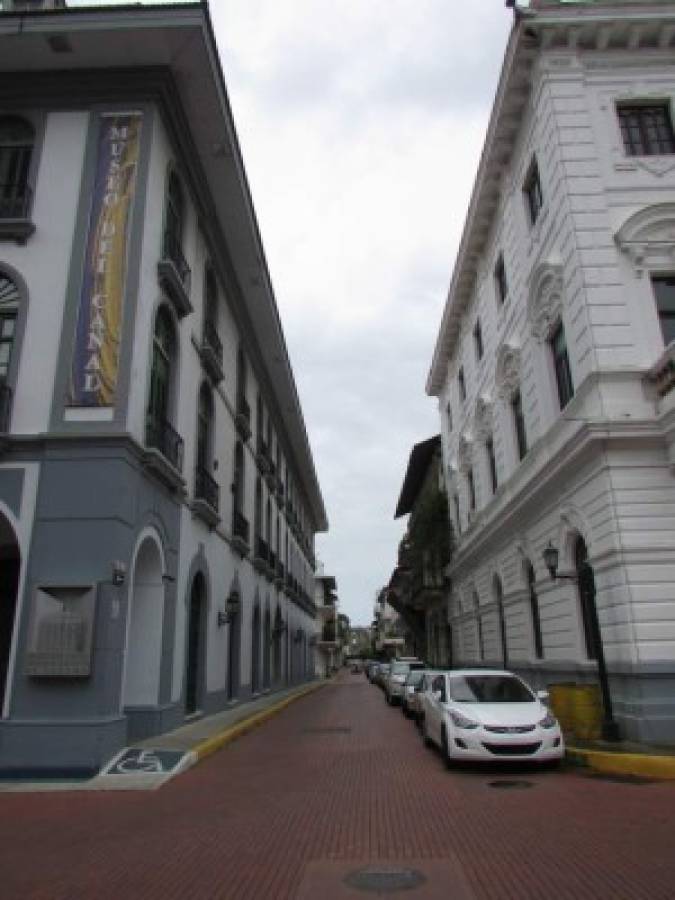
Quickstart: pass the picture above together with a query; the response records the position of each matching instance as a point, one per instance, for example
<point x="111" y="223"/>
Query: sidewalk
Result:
<point x="150" y="763"/>
<point x="623" y="759"/>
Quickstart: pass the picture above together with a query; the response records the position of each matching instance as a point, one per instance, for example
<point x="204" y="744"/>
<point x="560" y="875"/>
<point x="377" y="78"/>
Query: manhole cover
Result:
<point x="337" y="729"/>
<point x="621" y="779"/>
<point x="512" y="784"/>
<point x="384" y="880"/>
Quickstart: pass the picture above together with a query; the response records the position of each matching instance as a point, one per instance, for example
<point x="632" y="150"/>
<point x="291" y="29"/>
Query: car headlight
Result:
<point x="461" y="721"/>
<point x="549" y="721"/>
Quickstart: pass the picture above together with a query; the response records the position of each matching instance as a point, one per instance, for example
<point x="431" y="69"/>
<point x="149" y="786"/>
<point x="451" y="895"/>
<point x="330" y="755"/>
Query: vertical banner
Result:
<point x="93" y="380"/>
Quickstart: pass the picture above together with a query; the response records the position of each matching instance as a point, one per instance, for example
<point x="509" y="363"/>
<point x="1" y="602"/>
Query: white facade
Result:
<point x="599" y="469"/>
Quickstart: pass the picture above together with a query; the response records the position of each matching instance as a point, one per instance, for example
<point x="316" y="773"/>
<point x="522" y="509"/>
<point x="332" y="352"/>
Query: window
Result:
<point x="492" y="462"/>
<point x="159" y="432"/>
<point x="532" y="190"/>
<point x="498" y="592"/>
<point x="457" y="516"/>
<point x="461" y="384"/>
<point x="449" y="414"/>
<point x="664" y="293"/>
<point x="519" y="423"/>
<point x="561" y="364"/>
<point x="163" y="352"/>
<point x="472" y="489"/>
<point x="534" y="610"/>
<point x="586" y="588"/>
<point x="17" y="137"/>
<point x="206" y="487"/>
<point x="9" y="305"/>
<point x="646" y="129"/>
<point x="501" y="283"/>
<point x="478" y="340"/>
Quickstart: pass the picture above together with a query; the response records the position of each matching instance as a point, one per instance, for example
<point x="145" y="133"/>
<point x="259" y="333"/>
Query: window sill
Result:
<point x="172" y="284"/>
<point x="158" y="463"/>
<point x="204" y="511"/>
<point x="211" y="362"/>
<point x="18" y="230"/>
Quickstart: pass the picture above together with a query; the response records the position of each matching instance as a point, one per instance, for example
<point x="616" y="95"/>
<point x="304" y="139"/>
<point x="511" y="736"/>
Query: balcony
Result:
<point x="174" y="274"/>
<point x="262" y="458"/>
<point x="16" y="201"/>
<point x="272" y="566"/>
<point x="328" y="634"/>
<point x="165" y="451"/>
<point x="280" y="574"/>
<point x="207" y="497"/>
<point x="211" y="352"/>
<point x="271" y="474"/>
<point x="242" y="420"/>
<point x="6" y="399"/>
<point x="261" y="556"/>
<point x="240" y="533"/>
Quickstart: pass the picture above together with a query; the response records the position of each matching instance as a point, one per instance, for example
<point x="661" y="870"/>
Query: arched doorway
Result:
<point x="498" y="592"/>
<point x="255" y="651"/>
<point x="144" y="628"/>
<point x="194" y="664"/>
<point x="267" y="648"/>
<point x="233" y="647"/>
<point x="10" y="567"/>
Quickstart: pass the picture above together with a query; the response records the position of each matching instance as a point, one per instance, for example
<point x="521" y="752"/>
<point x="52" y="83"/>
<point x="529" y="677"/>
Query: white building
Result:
<point x="328" y="654"/>
<point x="553" y="366"/>
<point x="158" y="498"/>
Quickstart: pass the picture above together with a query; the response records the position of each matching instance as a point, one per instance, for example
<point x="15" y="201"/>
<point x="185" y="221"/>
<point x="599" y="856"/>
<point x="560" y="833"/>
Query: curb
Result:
<point x="637" y="764"/>
<point x="215" y="743"/>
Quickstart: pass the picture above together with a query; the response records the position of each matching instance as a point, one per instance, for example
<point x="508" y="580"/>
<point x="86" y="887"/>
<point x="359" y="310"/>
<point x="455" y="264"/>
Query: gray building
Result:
<point x="158" y="497"/>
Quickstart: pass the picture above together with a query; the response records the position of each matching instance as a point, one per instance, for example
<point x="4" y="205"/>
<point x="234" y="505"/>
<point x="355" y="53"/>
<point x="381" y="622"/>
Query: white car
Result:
<point x="489" y="714"/>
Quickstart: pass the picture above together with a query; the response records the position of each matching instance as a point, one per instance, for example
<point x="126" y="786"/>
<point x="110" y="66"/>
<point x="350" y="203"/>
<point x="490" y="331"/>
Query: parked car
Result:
<point x="416" y="702"/>
<point x="382" y="672"/>
<point x="489" y="715"/>
<point x="395" y="679"/>
<point x="371" y="671"/>
<point x="412" y="680"/>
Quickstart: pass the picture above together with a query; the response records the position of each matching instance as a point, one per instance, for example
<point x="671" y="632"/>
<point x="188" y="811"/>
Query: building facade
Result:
<point x="553" y="365"/>
<point x="329" y="650"/>
<point x="158" y="498"/>
<point x="418" y="586"/>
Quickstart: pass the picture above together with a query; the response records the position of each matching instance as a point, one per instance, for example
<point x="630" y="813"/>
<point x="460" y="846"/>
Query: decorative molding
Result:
<point x="648" y="237"/>
<point x="507" y="373"/>
<point x="545" y="300"/>
<point x="483" y="417"/>
<point x="465" y="452"/>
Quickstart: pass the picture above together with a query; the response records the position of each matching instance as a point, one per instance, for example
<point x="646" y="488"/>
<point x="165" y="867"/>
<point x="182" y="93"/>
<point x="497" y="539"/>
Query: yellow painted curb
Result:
<point x="212" y="744"/>
<point x="640" y="764"/>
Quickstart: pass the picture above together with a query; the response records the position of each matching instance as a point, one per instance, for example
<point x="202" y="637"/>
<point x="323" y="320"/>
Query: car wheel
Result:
<point x="425" y="734"/>
<point x="444" y="748"/>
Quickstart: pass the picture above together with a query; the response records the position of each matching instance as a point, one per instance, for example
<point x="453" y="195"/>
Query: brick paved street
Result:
<point x="336" y="781"/>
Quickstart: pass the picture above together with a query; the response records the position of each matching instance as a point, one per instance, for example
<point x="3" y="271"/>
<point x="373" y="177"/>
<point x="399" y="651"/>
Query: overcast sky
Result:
<point x="361" y="123"/>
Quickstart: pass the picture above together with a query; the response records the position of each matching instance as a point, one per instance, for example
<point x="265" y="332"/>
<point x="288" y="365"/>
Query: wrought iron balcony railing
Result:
<point x="15" y="201"/>
<point x="173" y="251"/>
<point x="240" y="526"/>
<point x="212" y="341"/>
<point x="206" y="488"/>
<point x="161" y="435"/>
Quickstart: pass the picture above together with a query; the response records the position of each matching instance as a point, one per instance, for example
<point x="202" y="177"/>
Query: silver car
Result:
<point x="395" y="680"/>
<point x="416" y="701"/>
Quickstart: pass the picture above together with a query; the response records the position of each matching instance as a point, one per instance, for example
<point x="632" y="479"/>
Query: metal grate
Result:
<point x="511" y="784"/>
<point x="384" y="880"/>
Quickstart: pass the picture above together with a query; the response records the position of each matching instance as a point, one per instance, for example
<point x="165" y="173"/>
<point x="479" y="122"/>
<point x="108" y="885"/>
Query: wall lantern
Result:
<point x="119" y="572"/>
<point x="232" y="607"/>
<point x="585" y="582"/>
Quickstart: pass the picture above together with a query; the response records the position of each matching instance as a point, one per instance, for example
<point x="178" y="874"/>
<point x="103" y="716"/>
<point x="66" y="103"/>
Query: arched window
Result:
<point x="586" y="583"/>
<point x="479" y="626"/>
<point x="498" y="591"/>
<point x="17" y="138"/>
<point x="9" y="307"/>
<point x="206" y="487"/>
<point x="534" y="611"/>
<point x="175" y="213"/>
<point x="240" y="526"/>
<point x="160" y="434"/>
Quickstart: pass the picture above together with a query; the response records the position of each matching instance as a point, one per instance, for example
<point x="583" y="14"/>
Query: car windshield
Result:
<point x="399" y="668"/>
<point x="415" y="676"/>
<point x="488" y="689"/>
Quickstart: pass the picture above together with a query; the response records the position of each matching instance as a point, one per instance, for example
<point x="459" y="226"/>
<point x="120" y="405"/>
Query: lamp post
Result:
<point x="586" y="583"/>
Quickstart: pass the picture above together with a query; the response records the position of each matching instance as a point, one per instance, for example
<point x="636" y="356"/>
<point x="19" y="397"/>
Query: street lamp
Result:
<point x="232" y="607"/>
<point x="585" y="582"/>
